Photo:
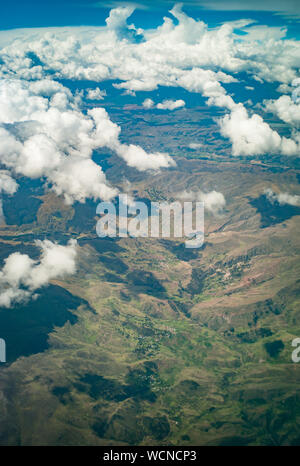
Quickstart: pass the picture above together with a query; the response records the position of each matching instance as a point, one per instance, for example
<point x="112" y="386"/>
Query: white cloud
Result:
<point x="296" y="90"/>
<point x="148" y="103"/>
<point x="78" y="178"/>
<point x="41" y="140"/>
<point x="7" y="183"/>
<point x="282" y="198"/>
<point x="214" y="201"/>
<point x="195" y="145"/>
<point x="21" y="276"/>
<point x="285" y="108"/>
<point x="284" y="89"/>
<point x="265" y="33"/>
<point x="252" y="136"/>
<point x="181" y="52"/>
<point x="164" y="53"/>
<point x="136" y="157"/>
<point x="117" y="23"/>
<point x="49" y="137"/>
<point x="95" y="94"/>
<point x="166" y="104"/>
<point x="170" y="104"/>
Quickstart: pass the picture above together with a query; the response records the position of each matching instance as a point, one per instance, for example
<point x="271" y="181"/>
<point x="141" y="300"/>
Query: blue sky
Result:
<point x="36" y="13"/>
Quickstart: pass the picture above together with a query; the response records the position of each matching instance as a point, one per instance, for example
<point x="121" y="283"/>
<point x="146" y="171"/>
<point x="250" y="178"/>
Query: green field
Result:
<point x="155" y="344"/>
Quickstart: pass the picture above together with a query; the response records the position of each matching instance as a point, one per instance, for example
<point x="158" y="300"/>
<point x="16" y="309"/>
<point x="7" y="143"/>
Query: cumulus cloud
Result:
<point x="42" y="140"/>
<point x="166" y="104"/>
<point x="214" y="201"/>
<point x="252" y="136"/>
<point x="21" y="276"/>
<point x="170" y="104"/>
<point x="181" y="52"/>
<point x="78" y="178"/>
<point x="7" y="183"/>
<point x="285" y="108"/>
<point x="117" y="23"/>
<point x="136" y="157"/>
<point x="284" y="89"/>
<point x="195" y="145"/>
<point x="95" y="94"/>
<point x="282" y="198"/>
<point x="94" y="53"/>
<point x="148" y="103"/>
<point x="296" y="90"/>
<point x="44" y="134"/>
